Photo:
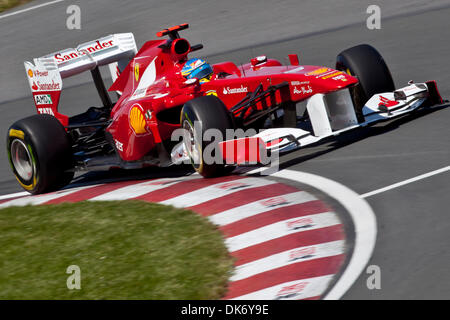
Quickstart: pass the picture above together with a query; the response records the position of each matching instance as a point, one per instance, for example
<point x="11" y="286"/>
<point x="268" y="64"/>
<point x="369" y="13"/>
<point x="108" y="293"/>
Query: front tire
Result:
<point x="367" y="64"/>
<point x="197" y="117"/>
<point x="39" y="152"/>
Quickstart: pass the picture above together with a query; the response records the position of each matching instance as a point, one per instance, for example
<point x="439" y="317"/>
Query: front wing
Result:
<point x="329" y="115"/>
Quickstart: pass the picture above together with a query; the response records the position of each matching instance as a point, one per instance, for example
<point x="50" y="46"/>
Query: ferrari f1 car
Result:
<point x="291" y="106"/>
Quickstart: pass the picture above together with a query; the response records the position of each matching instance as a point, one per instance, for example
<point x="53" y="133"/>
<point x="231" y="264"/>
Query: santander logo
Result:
<point x="241" y="89"/>
<point x="39" y="86"/>
<point x="97" y="46"/>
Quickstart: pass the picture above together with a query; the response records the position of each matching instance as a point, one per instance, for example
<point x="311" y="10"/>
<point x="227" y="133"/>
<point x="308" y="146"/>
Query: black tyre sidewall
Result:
<point x="212" y="113"/>
<point x="51" y="151"/>
<point x="367" y="64"/>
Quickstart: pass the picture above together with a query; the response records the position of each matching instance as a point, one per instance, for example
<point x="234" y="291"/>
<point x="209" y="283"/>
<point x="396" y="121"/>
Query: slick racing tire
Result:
<point x="197" y="117"/>
<point x="39" y="152"/>
<point x="365" y="63"/>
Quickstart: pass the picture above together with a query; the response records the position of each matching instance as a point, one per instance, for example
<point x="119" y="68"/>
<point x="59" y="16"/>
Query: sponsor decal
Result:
<point x="413" y="87"/>
<point x="136" y="72"/>
<point x="301" y="223"/>
<point x="232" y="185"/>
<point x="119" y="145"/>
<point x="333" y="74"/>
<point x="42" y="79"/>
<point x="38" y="73"/>
<point x="39" y="86"/>
<point x="291" y="291"/>
<point x="241" y="89"/>
<point x="137" y="119"/>
<point x="299" y="83"/>
<point x="40" y="99"/>
<point x="387" y="103"/>
<point x="318" y="72"/>
<point x="274" y="202"/>
<point x="211" y="93"/>
<point x="303" y="90"/>
<point x="17" y="133"/>
<point x="301" y="253"/>
<point x="97" y="46"/>
<point x="161" y="183"/>
<point x="46" y="111"/>
<point x="340" y="77"/>
<point x="148" y="115"/>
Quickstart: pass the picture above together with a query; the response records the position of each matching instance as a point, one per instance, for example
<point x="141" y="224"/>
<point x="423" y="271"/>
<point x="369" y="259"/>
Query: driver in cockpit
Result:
<point x="197" y="68"/>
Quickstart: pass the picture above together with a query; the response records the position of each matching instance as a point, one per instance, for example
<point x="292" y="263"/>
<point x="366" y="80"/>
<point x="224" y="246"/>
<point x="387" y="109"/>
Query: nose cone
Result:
<point x="334" y="79"/>
<point x="321" y="79"/>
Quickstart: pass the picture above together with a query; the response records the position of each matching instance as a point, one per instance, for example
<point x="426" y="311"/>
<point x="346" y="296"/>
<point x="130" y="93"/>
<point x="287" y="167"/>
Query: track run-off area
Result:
<point x="288" y="243"/>
<point x="382" y="190"/>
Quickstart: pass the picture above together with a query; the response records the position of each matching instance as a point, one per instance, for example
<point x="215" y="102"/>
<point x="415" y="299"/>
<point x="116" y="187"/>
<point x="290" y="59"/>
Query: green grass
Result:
<point x="125" y="250"/>
<point x="7" y="4"/>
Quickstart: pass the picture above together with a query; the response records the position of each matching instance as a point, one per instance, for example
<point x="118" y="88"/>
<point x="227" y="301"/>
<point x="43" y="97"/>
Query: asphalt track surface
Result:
<point x="413" y="223"/>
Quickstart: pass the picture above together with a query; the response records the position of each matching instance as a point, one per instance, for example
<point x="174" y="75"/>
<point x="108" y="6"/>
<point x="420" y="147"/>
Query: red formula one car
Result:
<point x="287" y="106"/>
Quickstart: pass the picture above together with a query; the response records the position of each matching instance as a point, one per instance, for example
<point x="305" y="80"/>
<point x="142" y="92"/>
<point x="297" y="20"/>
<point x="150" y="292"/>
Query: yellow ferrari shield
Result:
<point x="136" y="72"/>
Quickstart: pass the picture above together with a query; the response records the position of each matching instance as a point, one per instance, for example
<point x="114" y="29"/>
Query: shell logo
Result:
<point x="137" y="119"/>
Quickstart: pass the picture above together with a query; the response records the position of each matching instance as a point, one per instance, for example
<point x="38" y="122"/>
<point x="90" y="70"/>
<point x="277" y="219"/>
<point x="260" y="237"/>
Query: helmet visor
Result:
<point x="201" y="72"/>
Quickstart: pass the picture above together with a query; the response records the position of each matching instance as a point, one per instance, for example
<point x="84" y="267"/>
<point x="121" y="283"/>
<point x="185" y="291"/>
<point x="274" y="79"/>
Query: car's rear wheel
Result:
<point x="197" y="117"/>
<point x="367" y="64"/>
<point x="39" y="152"/>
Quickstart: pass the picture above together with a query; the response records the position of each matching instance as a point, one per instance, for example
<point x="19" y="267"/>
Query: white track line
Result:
<point x="364" y="221"/>
<point x="293" y="290"/>
<point x="30" y="8"/>
<point x="14" y="195"/>
<point x="402" y="183"/>
<point x="278" y="260"/>
<point x="280" y="229"/>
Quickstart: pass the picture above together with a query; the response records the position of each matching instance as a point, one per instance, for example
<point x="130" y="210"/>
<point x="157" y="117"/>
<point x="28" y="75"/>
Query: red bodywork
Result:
<point x="153" y="90"/>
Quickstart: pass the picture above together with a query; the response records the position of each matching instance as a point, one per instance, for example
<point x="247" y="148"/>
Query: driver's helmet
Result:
<point x="197" y="68"/>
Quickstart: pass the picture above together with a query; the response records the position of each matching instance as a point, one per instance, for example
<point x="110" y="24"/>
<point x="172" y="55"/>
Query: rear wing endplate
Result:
<point x="46" y="74"/>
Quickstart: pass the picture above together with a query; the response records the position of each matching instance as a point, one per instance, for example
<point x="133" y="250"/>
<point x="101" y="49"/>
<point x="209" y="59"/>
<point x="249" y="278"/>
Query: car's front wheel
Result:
<point x="199" y="116"/>
<point x="367" y="64"/>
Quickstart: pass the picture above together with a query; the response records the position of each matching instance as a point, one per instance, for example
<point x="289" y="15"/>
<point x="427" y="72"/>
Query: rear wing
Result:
<point x="46" y="74"/>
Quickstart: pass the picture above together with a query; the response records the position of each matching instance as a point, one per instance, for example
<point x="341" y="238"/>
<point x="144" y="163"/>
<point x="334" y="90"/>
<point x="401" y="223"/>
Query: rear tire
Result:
<point x="39" y="152"/>
<point x="367" y="64"/>
<point x="211" y="113"/>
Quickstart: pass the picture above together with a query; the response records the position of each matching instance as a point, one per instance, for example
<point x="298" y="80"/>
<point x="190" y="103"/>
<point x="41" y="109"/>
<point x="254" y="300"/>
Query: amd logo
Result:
<point x="43" y="99"/>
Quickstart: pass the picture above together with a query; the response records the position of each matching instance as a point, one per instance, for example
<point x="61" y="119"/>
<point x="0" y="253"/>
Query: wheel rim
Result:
<point x="191" y="144"/>
<point x="21" y="159"/>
